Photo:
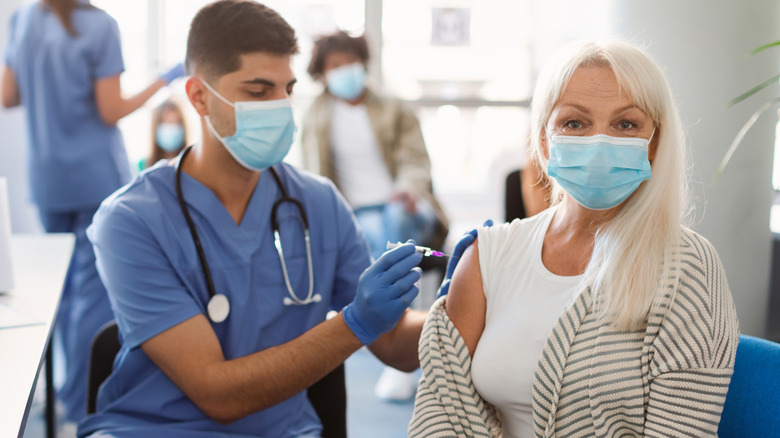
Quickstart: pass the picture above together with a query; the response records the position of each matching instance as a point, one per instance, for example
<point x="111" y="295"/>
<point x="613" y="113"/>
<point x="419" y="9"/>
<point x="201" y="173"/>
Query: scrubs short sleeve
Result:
<point x="11" y="49"/>
<point x="146" y="296"/>
<point x="353" y="255"/>
<point x="106" y="54"/>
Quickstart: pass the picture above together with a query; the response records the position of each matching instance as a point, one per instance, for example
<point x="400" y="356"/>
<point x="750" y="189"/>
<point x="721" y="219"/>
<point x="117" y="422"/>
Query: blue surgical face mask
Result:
<point x="169" y="136"/>
<point x="347" y="82"/>
<point x="264" y="131"/>
<point x="601" y="171"/>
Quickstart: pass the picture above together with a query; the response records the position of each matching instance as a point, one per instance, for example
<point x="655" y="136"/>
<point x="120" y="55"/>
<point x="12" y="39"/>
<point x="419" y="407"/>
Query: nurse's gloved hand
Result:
<point x="174" y="73"/>
<point x="457" y="253"/>
<point x="384" y="292"/>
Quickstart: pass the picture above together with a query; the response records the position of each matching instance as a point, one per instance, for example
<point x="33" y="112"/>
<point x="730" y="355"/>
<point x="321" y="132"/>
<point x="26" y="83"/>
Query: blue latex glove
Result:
<point x="384" y="291"/>
<point x="175" y="72"/>
<point x="460" y="248"/>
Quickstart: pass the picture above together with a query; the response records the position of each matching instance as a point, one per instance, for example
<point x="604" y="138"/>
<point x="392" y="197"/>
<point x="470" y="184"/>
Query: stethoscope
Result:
<point x="218" y="306"/>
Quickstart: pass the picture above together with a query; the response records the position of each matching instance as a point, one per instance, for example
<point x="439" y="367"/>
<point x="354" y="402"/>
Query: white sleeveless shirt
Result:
<point x="524" y="301"/>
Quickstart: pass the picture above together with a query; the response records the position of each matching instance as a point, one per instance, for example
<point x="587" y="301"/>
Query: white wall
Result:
<point x="13" y="162"/>
<point x="702" y="46"/>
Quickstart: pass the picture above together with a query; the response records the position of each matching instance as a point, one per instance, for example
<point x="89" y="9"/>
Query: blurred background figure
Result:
<point x="62" y="64"/>
<point x="371" y="147"/>
<point x="169" y="133"/>
<point x="373" y="150"/>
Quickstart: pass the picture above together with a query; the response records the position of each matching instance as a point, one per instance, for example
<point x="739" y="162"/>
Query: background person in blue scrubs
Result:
<point x="179" y="372"/>
<point x="63" y="63"/>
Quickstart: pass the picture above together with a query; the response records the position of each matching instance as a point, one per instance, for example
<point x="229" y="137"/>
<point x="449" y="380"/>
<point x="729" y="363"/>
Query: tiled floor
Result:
<point x="367" y="415"/>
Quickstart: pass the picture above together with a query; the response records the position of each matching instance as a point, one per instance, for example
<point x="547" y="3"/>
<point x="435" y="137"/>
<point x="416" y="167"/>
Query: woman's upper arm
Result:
<point x="108" y="96"/>
<point x="466" y="303"/>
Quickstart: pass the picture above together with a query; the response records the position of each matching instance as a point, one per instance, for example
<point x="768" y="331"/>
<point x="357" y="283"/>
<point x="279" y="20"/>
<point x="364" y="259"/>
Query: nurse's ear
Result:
<point x="196" y="93"/>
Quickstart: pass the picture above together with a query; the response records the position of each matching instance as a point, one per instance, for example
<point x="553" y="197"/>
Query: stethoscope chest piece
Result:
<point x="218" y="308"/>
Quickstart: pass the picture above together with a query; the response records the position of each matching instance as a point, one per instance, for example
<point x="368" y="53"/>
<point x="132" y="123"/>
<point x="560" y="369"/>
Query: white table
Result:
<point x="40" y="263"/>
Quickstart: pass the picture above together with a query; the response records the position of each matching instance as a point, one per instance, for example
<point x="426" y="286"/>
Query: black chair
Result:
<point x="328" y="395"/>
<point x="105" y="346"/>
<point x="513" y="197"/>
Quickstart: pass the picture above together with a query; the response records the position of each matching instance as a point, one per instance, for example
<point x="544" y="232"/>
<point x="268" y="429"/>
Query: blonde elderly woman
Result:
<point x="602" y="315"/>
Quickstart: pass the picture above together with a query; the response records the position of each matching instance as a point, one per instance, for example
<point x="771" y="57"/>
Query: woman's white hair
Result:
<point x="632" y="254"/>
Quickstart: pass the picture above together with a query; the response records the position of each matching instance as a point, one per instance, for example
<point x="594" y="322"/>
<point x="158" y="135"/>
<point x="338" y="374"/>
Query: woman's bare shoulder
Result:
<point x="466" y="303"/>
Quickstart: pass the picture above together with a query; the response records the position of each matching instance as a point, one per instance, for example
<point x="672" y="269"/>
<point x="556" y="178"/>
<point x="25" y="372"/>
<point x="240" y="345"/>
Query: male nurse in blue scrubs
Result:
<point x="183" y="373"/>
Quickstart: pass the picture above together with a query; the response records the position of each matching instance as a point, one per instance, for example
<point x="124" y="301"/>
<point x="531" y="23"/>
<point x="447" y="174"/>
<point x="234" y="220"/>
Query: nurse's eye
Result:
<point x="572" y="124"/>
<point x="626" y="125"/>
<point x="257" y="94"/>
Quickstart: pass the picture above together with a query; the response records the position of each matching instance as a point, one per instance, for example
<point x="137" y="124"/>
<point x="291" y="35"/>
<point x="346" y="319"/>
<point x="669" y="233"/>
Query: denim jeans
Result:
<point x="391" y="222"/>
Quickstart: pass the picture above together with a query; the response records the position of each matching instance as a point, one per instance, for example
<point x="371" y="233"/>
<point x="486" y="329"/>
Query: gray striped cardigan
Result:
<point x="668" y="379"/>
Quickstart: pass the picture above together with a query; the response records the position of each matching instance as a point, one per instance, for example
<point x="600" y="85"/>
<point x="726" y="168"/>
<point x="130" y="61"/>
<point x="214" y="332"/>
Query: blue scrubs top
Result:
<point x="75" y="160"/>
<point x="147" y="260"/>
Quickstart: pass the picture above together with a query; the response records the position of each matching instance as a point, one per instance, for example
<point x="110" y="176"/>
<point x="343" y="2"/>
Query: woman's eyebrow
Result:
<point x="628" y="108"/>
<point x="576" y="106"/>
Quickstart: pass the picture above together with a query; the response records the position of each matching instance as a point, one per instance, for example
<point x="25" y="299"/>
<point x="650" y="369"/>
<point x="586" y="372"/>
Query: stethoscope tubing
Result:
<point x="293" y="298"/>
<point x="191" y="225"/>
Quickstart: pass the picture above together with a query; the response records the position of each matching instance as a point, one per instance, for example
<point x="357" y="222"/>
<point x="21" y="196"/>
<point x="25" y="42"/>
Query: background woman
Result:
<point x="602" y="315"/>
<point x="169" y="133"/>
<point x="63" y="63"/>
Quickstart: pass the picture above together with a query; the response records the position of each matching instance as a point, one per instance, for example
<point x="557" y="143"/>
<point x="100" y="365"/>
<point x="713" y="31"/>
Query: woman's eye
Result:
<point x="573" y="124"/>
<point x="625" y="124"/>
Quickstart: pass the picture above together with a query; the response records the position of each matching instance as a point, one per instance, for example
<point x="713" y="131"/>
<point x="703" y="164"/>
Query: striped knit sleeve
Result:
<point x="694" y="350"/>
<point x="447" y="403"/>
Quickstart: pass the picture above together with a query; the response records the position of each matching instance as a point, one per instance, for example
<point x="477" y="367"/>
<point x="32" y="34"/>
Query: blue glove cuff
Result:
<point x="363" y="336"/>
<point x="174" y="73"/>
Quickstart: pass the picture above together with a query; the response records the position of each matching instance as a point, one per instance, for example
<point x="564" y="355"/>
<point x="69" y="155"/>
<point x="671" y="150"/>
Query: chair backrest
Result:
<point x="513" y="197"/>
<point x="105" y="346"/>
<point x="752" y="407"/>
<point x="328" y="396"/>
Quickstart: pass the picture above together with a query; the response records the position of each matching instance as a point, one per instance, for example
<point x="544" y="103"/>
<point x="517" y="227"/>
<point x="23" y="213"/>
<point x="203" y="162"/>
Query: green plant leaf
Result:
<point x="752" y="91"/>
<point x="741" y="135"/>
<point x="764" y="47"/>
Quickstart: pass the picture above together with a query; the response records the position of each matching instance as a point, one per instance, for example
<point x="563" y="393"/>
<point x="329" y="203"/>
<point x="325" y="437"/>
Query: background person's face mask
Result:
<point x="264" y="131"/>
<point x="600" y="171"/>
<point x="347" y="82"/>
<point x="169" y="136"/>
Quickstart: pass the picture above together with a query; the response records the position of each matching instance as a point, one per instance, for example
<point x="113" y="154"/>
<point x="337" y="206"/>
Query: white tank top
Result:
<point x="524" y="301"/>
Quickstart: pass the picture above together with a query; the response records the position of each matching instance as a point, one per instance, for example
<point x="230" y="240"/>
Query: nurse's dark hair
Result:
<point x="224" y="30"/>
<point x="63" y="9"/>
<point x="337" y="42"/>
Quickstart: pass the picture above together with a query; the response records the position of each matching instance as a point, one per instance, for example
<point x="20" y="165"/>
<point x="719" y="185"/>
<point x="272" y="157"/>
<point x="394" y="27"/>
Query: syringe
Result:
<point x="424" y="250"/>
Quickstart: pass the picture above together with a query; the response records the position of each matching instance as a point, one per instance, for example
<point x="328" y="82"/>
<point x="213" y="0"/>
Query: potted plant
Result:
<point x="752" y="120"/>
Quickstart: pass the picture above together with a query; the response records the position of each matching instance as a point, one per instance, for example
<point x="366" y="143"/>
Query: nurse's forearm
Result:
<point x="398" y="347"/>
<point x="112" y="106"/>
<point x="228" y="390"/>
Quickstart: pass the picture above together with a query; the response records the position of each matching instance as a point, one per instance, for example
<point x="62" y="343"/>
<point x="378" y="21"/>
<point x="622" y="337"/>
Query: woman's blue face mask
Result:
<point x="169" y="136"/>
<point x="599" y="171"/>
<point x="264" y="131"/>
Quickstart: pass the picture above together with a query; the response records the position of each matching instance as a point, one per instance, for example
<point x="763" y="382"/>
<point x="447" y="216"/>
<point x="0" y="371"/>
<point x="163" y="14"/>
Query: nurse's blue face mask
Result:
<point x="264" y="131"/>
<point x="600" y="171"/>
<point x="347" y="82"/>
